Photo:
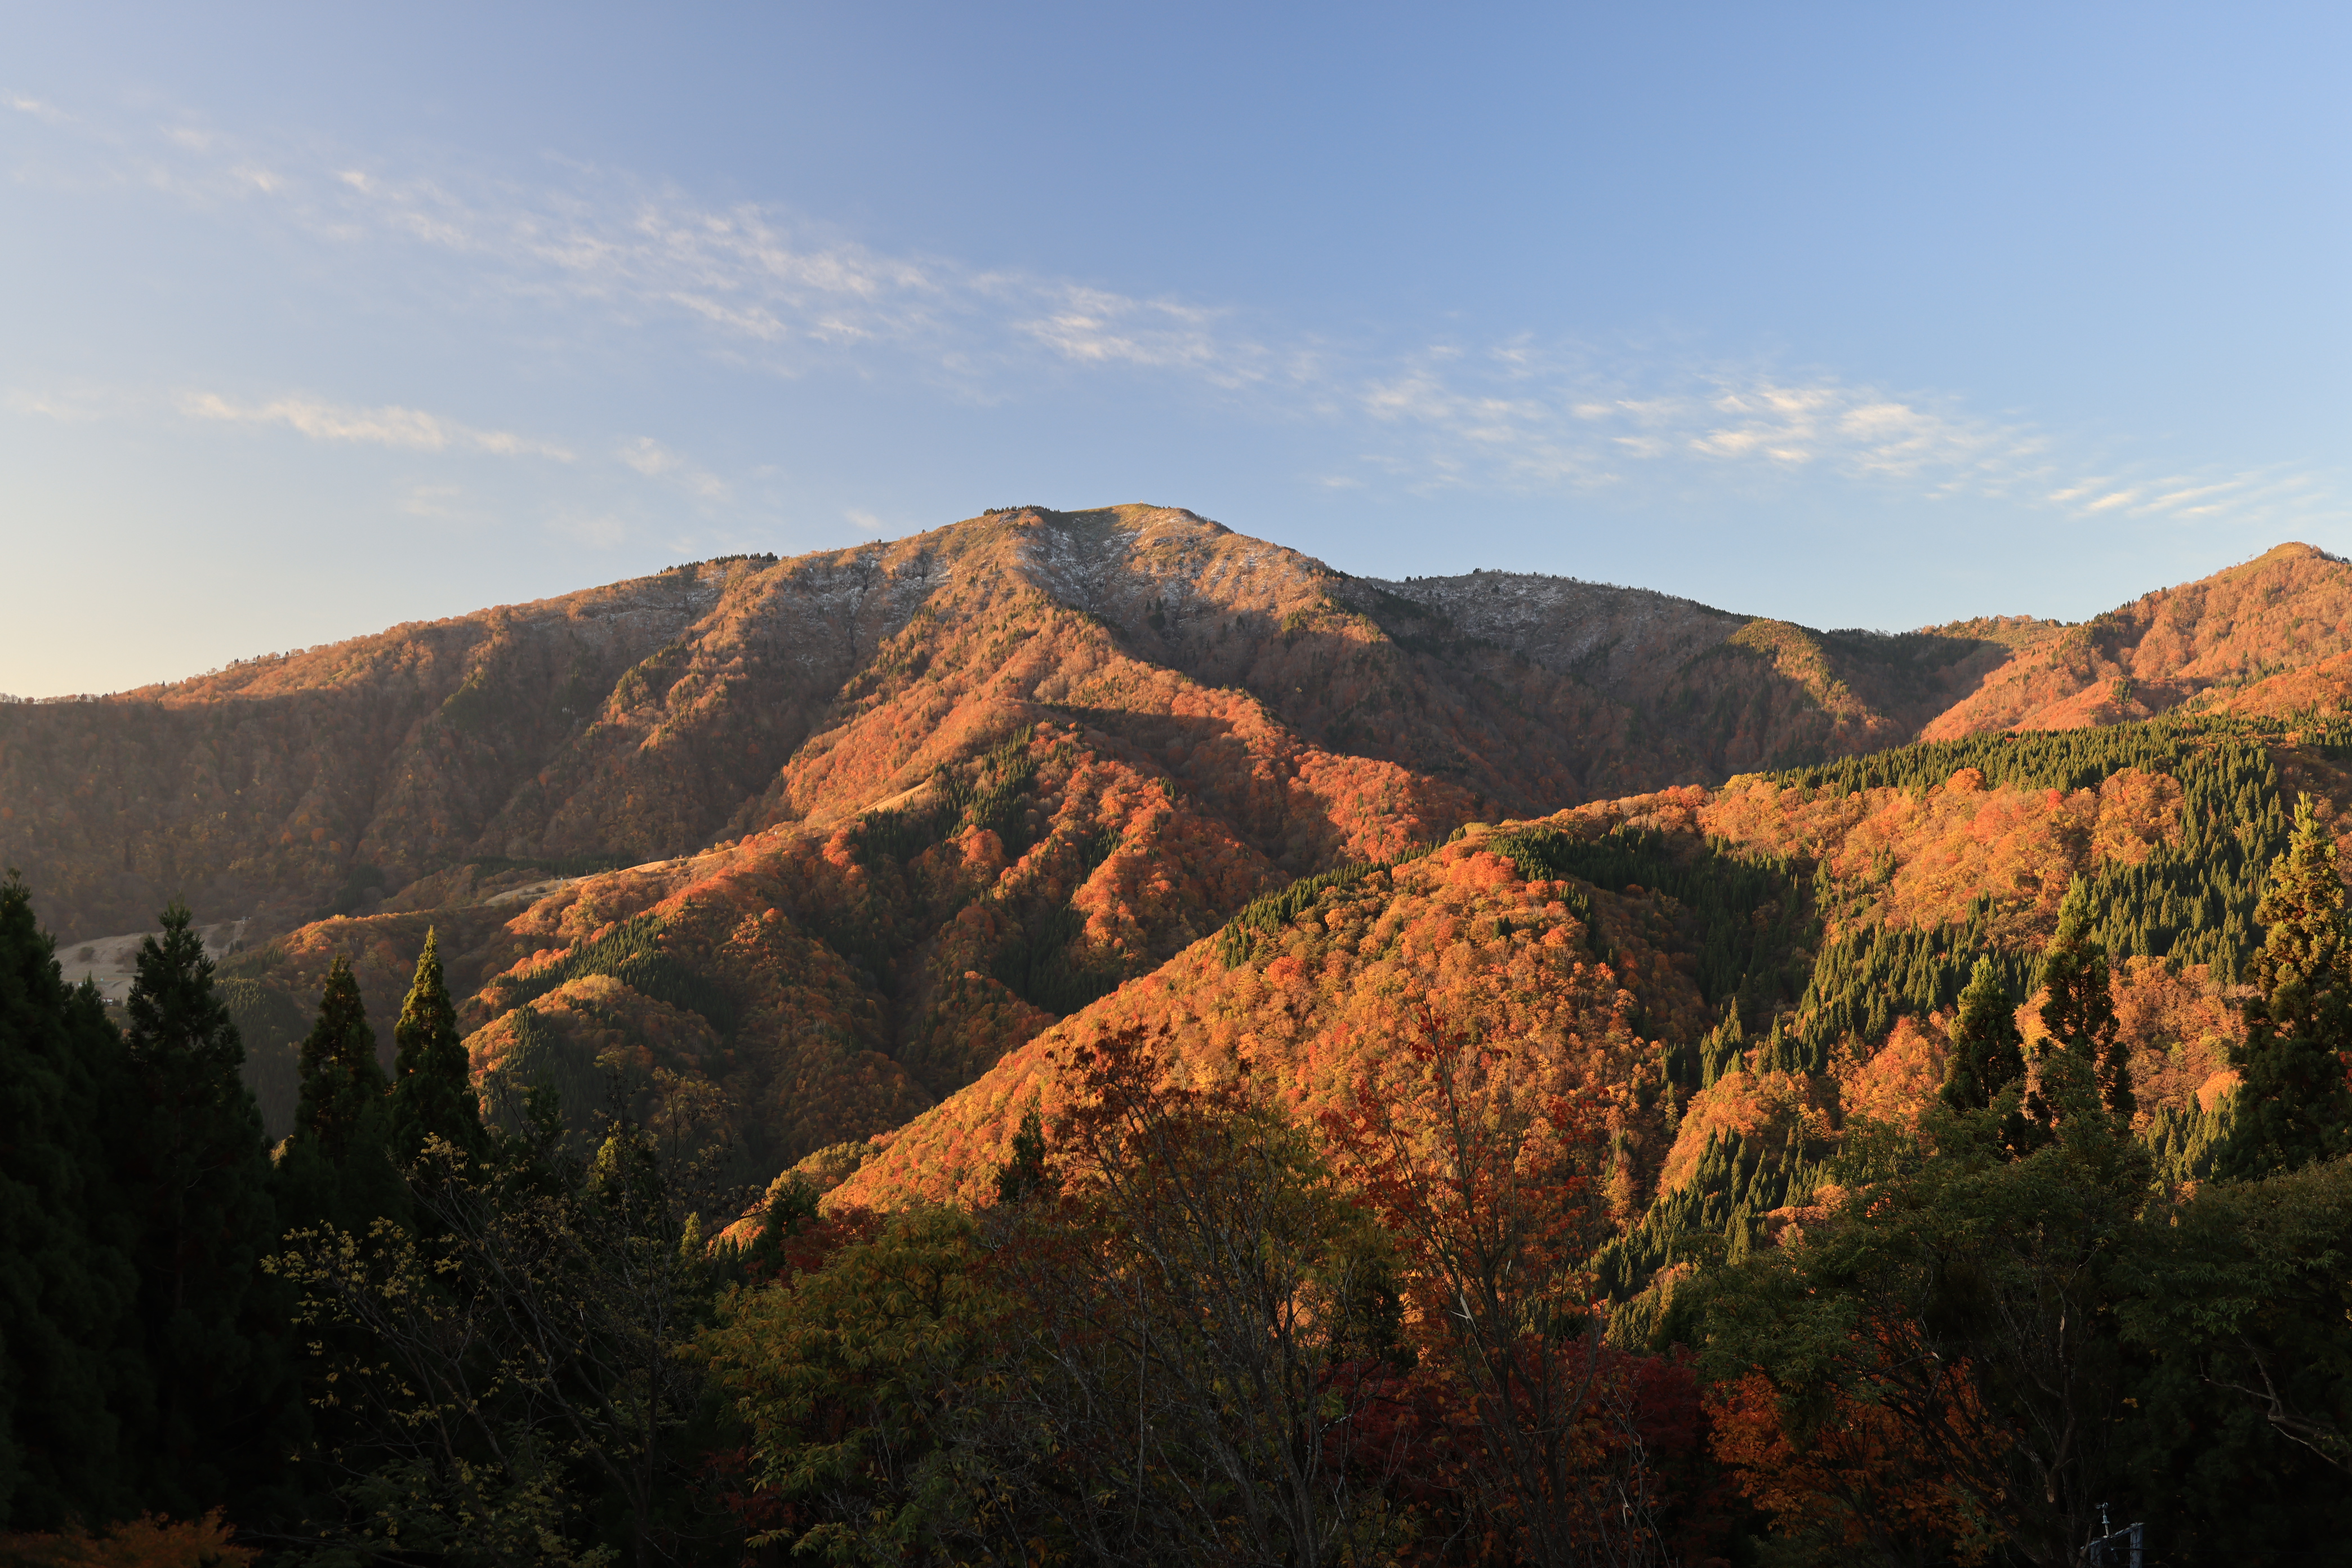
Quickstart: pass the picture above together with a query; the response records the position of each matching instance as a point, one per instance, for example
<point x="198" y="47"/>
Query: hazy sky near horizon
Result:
<point x="323" y="318"/>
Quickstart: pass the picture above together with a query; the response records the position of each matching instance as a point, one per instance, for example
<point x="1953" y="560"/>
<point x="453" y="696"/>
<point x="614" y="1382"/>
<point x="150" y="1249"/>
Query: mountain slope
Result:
<point x="1761" y="963"/>
<point x="648" y="718"/>
<point x="828" y="837"/>
<point x="2286" y="609"/>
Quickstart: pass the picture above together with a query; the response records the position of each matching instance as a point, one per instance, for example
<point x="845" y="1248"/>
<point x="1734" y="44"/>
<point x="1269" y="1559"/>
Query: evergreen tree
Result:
<point x="341" y="1077"/>
<point x="1988" y="1052"/>
<point x="194" y="1157"/>
<point x="2084" y="1056"/>
<point x="68" y="1347"/>
<point x="336" y="1166"/>
<point x="2294" y="1106"/>
<point x="1026" y="1174"/>
<point x="432" y="1090"/>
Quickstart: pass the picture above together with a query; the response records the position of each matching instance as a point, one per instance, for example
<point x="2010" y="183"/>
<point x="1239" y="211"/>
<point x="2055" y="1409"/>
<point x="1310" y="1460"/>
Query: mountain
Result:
<point x="822" y="841"/>
<point x="648" y="718"/>
<point x="1753" y="965"/>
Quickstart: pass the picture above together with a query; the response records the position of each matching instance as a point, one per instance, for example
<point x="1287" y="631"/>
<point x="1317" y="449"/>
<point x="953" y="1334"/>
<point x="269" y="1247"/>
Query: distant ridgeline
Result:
<point x="1756" y="917"/>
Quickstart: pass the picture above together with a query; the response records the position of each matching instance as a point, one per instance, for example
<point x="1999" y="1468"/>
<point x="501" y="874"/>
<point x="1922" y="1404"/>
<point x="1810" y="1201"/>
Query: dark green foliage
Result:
<point x="1988" y="1057"/>
<point x="1025" y="1175"/>
<point x="2079" y="1011"/>
<point x="1035" y="962"/>
<point x="1039" y="962"/>
<point x="70" y="1351"/>
<point x="270" y="1022"/>
<point x="1988" y="1051"/>
<point x="2191" y="902"/>
<point x="544" y="1073"/>
<point x="995" y="802"/>
<point x="2243" y="1402"/>
<point x="1747" y="915"/>
<point x="1861" y="983"/>
<point x="432" y="1080"/>
<point x="898" y="834"/>
<point x="336" y="1167"/>
<point x="356" y="888"/>
<point x="791" y="1208"/>
<point x="2184" y="1145"/>
<point x="632" y="953"/>
<point x="2052" y="759"/>
<point x="1268" y="914"/>
<point x="516" y="1389"/>
<point x="1718" y="1213"/>
<point x="1964" y="1273"/>
<point x="1747" y="910"/>
<point x="192" y="1156"/>
<point x="2294" y="1106"/>
<point x="342" y="1079"/>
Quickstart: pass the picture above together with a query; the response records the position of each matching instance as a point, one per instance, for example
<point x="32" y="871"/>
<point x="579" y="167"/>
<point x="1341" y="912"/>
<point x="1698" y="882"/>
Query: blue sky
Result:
<point x="324" y="318"/>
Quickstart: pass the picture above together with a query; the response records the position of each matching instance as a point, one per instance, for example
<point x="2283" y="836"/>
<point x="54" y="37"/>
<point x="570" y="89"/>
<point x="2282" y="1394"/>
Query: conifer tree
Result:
<point x="341" y="1077"/>
<point x="68" y="1350"/>
<point x="1026" y="1174"/>
<point x="336" y="1166"/>
<point x="2084" y="1056"/>
<point x="2294" y="1106"/>
<point x="1988" y="1052"/>
<point x="432" y="1090"/>
<point x="197" y="1165"/>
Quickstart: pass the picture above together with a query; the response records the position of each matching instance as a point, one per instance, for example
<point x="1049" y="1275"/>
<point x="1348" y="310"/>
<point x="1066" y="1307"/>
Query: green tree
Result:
<point x="2294" y="1105"/>
<point x="2243" y="1428"/>
<point x="865" y="1382"/>
<point x="341" y="1077"/>
<point x="1948" y="1337"/>
<point x="432" y="1090"/>
<point x="68" y="1353"/>
<point x="1026" y="1174"/>
<point x="524" y="1400"/>
<point x="2079" y="1010"/>
<point x="1988" y="1052"/>
<point x="336" y="1166"/>
<point x="195" y="1159"/>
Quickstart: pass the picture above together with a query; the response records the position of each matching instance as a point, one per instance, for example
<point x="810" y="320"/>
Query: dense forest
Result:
<point x="1745" y="1175"/>
<point x="1088" y="1037"/>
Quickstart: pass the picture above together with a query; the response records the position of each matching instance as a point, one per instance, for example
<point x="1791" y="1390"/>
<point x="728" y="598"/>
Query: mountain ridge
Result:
<point x="833" y="836"/>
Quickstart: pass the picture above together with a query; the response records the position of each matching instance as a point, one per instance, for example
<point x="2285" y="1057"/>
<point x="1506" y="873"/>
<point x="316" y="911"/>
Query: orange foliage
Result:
<point x="2292" y="606"/>
<point x="1902" y="1079"/>
<point x="147" y="1541"/>
<point x="1769" y="1109"/>
<point x="1951" y="844"/>
<point x="1861" y="1474"/>
<point x="1331" y="994"/>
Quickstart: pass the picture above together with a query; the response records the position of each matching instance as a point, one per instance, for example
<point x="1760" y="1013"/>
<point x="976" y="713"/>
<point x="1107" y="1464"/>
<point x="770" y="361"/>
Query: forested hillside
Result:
<point x="968" y="782"/>
<point x="803" y="1051"/>
<point x="1754" y="963"/>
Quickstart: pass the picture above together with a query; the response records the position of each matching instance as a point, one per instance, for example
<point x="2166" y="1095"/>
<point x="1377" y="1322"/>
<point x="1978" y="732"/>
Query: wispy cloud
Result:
<point x="2269" y="497"/>
<point x="763" y="286"/>
<point x="46" y="113"/>
<point x="655" y="461"/>
<point x="411" y="429"/>
<point x="74" y="406"/>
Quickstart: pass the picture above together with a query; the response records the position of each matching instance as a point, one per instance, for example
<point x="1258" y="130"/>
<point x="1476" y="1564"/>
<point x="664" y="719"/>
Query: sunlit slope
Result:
<point x="649" y="718"/>
<point x="2286" y="610"/>
<point x="1747" y="968"/>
